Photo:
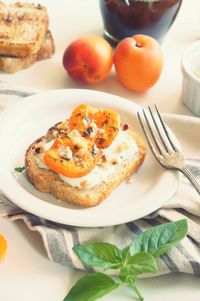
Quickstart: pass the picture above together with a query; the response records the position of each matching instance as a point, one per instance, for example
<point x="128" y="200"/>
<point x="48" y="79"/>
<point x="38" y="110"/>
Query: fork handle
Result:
<point x="191" y="178"/>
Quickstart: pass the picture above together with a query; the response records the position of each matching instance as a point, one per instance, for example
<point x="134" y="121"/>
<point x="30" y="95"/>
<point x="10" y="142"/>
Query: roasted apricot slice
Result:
<point x="81" y="118"/>
<point x="3" y="247"/>
<point x="72" y="156"/>
<point x="100" y="126"/>
<point x="108" y="123"/>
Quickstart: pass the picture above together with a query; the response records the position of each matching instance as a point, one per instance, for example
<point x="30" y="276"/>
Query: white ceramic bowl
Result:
<point x="191" y="83"/>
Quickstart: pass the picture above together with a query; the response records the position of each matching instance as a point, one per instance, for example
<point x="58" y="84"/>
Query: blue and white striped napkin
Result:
<point x="59" y="239"/>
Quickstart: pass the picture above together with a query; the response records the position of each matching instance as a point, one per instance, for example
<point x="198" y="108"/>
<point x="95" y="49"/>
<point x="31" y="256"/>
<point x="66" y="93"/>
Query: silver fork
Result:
<point x="162" y="145"/>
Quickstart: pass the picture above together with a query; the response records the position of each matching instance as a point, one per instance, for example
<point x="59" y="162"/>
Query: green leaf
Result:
<point x="125" y="251"/>
<point x="91" y="287"/>
<point x="20" y="169"/>
<point x="159" y="239"/>
<point x="138" y="264"/>
<point x="99" y="254"/>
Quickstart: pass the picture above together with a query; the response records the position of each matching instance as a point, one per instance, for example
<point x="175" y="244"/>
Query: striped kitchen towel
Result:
<point x="59" y="239"/>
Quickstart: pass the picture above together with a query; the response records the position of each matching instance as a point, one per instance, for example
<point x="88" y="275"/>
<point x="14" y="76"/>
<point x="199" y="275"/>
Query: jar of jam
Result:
<point x="124" y="18"/>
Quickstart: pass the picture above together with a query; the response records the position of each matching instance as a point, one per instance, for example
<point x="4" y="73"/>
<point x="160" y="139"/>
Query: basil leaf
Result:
<point x="138" y="264"/>
<point x="159" y="239"/>
<point x="91" y="287"/>
<point x="125" y="251"/>
<point x="99" y="254"/>
<point x="19" y="169"/>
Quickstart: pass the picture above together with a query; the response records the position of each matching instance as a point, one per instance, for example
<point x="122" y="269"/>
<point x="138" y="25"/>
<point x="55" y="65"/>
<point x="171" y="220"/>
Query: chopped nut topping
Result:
<point x="73" y="134"/>
<point x="94" y="150"/>
<point x="101" y="131"/>
<point x="95" y="129"/>
<point x="84" y="184"/>
<point x="114" y="162"/>
<point x="59" y="135"/>
<point x="103" y="158"/>
<point x="86" y="120"/>
<point x="55" y="133"/>
<point x="20" y="16"/>
<point x="79" y="142"/>
<point x="65" y="152"/>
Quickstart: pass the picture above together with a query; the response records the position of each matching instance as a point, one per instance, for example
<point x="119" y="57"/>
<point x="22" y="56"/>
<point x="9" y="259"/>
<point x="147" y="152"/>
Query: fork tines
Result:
<point x="156" y="132"/>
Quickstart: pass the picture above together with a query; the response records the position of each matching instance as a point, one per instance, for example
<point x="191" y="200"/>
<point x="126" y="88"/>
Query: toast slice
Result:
<point x="22" y="28"/>
<point x="46" y="180"/>
<point x="12" y="64"/>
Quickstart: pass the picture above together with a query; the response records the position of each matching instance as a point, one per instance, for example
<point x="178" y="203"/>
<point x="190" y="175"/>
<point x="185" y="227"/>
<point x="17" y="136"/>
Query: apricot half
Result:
<point x="99" y="126"/>
<point x="72" y="156"/>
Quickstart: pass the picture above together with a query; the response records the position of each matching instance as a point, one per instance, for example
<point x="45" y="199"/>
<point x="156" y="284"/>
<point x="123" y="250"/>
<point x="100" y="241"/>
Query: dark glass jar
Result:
<point x="124" y="18"/>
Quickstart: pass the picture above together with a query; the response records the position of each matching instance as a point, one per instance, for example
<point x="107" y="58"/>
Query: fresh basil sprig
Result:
<point x="137" y="258"/>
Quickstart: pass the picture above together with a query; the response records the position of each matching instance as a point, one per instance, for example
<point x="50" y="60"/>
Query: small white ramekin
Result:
<point x="191" y="83"/>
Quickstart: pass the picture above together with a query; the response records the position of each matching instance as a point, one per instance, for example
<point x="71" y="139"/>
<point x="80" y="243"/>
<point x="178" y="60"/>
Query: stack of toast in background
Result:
<point x="24" y="36"/>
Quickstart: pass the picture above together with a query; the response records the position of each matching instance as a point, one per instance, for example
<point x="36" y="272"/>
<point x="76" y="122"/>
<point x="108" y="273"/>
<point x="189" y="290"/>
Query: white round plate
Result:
<point x="30" y="118"/>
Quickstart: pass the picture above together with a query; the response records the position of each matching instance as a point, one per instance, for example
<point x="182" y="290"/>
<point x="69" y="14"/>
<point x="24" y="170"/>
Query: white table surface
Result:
<point x="26" y="273"/>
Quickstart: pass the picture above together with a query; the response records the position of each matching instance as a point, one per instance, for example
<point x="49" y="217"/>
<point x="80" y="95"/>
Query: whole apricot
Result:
<point x="138" y="62"/>
<point x="88" y="59"/>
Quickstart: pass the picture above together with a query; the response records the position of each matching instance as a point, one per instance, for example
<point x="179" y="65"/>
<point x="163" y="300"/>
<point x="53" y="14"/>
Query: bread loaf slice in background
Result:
<point x="14" y="64"/>
<point x="23" y="27"/>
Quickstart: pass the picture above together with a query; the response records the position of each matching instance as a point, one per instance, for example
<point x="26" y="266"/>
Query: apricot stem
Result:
<point x="138" y="45"/>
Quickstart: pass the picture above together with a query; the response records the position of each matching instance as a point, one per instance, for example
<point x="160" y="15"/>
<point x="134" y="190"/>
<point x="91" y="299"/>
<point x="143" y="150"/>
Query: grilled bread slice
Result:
<point x="46" y="180"/>
<point x="22" y="28"/>
<point x="12" y="64"/>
